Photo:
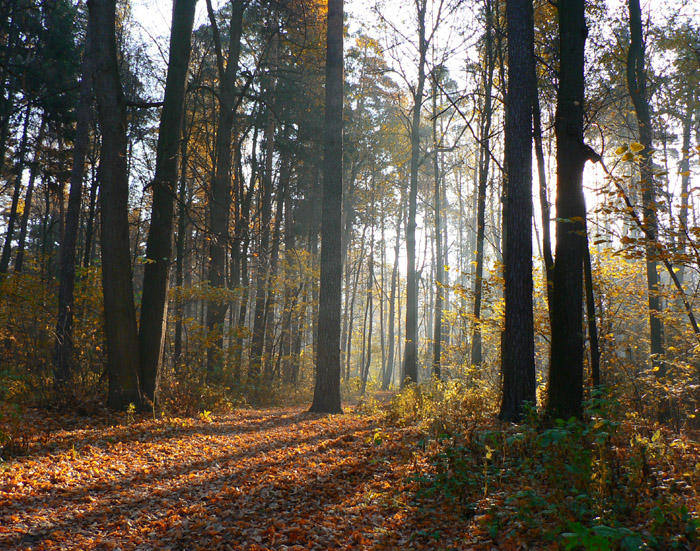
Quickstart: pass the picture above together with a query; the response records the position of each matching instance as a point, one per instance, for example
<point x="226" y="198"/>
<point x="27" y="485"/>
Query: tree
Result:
<point x="410" y="365"/>
<point x="566" y="367"/>
<point x="517" y="344"/>
<point x="220" y="195"/>
<point x="485" y="119"/>
<point x="159" y="246"/>
<point x="327" y="389"/>
<point x="117" y="282"/>
<point x="63" y="347"/>
<point x="636" y="83"/>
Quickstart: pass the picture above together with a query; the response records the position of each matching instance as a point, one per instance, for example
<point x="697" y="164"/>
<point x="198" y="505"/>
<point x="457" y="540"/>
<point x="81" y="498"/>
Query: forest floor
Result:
<point x="285" y="479"/>
<point x="280" y="479"/>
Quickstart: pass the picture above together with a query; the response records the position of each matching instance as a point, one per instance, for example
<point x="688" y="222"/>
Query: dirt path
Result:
<point x="276" y="479"/>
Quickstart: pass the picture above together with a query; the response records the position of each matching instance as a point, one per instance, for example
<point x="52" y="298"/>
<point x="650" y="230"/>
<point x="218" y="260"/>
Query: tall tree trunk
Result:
<point x="159" y="247"/>
<point x="63" y="345"/>
<point x="439" y="261"/>
<point x="120" y="312"/>
<point x="327" y="389"/>
<point x="220" y="197"/>
<point x="410" y="366"/>
<point x="486" y="117"/>
<point x="517" y="344"/>
<point x="566" y="367"/>
<point x="636" y="83"/>
<point x="19" y="258"/>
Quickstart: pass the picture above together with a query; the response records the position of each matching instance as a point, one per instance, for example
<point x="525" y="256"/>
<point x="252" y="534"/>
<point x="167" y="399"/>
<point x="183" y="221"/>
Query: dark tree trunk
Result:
<point x="120" y="313"/>
<point x="636" y="82"/>
<point x="159" y="247"/>
<point x="327" y="389"/>
<point x="63" y="347"/>
<point x="517" y="344"/>
<point x="566" y="367"/>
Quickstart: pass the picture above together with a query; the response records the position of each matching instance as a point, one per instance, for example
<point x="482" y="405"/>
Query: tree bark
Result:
<point x="518" y="349"/>
<point x="120" y="312"/>
<point x="566" y="367"/>
<point x="327" y="388"/>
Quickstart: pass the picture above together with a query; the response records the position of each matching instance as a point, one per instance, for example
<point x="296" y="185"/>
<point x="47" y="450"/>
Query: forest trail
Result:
<point x="279" y="479"/>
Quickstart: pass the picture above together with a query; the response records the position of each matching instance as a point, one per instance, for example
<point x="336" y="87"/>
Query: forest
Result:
<point x="361" y="274"/>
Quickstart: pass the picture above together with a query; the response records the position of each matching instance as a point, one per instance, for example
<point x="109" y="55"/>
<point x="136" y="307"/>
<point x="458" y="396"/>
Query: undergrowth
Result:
<point x="603" y="484"/>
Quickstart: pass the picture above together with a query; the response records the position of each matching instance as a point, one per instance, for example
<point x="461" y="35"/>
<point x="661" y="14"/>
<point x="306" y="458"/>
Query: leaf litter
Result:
<point x="254" y="480"/>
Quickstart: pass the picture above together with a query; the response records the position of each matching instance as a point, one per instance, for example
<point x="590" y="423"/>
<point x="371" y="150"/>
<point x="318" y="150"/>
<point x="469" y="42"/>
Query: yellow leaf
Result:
<point x="636" y="147"/>
<point x="620" y="150"/>
<point x="628" y="156"/>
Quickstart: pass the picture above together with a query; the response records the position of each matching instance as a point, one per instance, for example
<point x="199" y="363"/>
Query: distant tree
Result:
<point x="517" y="344"/>
<point x="410" y="362"/>
<point x="327" y="389"/>
<point x="63" y="348"/>
<point x="221" y="186"/>
<point x="485" y="120"/>
<point x="637" y="86"/>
